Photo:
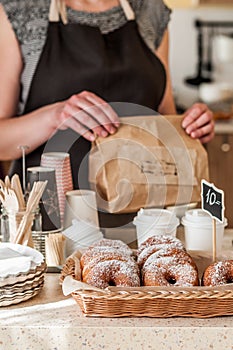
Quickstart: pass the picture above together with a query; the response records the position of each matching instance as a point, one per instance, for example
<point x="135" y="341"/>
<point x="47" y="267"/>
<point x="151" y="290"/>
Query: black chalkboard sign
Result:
<point x="212" y="200"/>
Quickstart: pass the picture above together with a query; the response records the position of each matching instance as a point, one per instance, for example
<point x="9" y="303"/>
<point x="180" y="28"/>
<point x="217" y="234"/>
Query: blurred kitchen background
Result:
<point x="201" y="61"/>
<point x="195" y="28"/>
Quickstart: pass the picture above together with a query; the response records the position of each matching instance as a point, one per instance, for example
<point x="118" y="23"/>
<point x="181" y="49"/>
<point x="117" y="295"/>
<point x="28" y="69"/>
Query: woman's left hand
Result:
<point x="198" y="122"/>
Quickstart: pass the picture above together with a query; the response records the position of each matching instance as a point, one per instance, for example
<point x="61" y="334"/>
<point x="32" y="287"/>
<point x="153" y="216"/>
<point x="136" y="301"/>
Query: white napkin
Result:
<point x="13" y="266"/>
<point x="15" y="259"/>
<point x="7" y="253"/>
<point x="80" y="235"/>
<point x="70" y="285"/>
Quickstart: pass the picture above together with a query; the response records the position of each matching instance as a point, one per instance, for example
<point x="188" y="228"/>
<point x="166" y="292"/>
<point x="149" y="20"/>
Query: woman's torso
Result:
<point x="29" y="20"/>
<point x="108" y="26"/>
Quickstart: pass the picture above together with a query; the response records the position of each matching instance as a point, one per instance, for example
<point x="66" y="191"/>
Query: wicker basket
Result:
<point x="200" y="302"/>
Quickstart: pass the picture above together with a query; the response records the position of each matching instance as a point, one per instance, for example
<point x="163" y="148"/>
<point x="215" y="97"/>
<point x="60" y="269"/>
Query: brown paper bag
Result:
<point x="149" y="162"/>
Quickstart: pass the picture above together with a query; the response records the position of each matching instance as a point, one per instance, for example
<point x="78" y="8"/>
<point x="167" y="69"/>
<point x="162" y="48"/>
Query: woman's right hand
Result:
<point x="89" y="115"/>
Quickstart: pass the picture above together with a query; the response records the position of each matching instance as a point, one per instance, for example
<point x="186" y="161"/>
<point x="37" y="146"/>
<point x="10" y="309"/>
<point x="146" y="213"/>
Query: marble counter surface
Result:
<point x="51" y="321"/>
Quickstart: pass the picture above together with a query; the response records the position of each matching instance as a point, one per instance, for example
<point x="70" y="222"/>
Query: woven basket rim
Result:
<point x="219" y="292"/>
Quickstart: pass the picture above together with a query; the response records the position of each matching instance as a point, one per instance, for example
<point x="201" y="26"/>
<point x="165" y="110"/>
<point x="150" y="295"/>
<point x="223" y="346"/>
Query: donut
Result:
<point x="180" y="255"/>
<point x="218" y="273"/>
<point x="170" y="271"/>
<point x="160" y="239"/>
<point x="103" y="253"/>
<point x="114" y="243"/>
<point x="109" y="263"/>
<point x="113" y="273"/>
<point x="162" y="249"/>
<point x="163" y="261"/>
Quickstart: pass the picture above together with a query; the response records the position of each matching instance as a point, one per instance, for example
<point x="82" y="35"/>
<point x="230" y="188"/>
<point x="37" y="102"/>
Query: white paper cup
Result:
<point x="150" y="222"/>
<point x="81" y="205"/>
<point x="198" y="229"/>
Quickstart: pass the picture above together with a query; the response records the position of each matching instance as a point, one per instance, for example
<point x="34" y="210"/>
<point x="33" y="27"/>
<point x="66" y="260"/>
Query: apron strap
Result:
<point x="129" y="13"/>
<point x="58" y="8"/>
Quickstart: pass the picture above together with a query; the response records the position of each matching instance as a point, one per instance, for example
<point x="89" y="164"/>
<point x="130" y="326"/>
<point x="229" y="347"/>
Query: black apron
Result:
<point x="117" y="66"/>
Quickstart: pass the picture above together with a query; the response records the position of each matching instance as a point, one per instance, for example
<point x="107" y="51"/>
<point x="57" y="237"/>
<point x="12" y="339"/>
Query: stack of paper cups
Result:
<point x="60" y="161"/>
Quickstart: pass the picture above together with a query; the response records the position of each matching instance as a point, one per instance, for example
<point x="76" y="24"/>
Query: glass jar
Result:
<point x="16" y="226"/>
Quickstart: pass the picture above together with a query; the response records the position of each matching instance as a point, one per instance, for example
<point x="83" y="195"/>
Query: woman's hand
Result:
<point x="88" y="115"/>
<point x="198" y="122"/>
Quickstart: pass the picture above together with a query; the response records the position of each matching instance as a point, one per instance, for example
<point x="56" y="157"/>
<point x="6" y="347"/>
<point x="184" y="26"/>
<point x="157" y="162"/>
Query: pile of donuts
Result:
<point x="163" y="261"/>
<point x="109" y="263"/>
<point x="159" y="261"/>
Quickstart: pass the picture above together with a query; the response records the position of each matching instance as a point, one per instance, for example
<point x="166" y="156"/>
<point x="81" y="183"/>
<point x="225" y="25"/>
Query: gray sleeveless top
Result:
<point x="29" y="20"/>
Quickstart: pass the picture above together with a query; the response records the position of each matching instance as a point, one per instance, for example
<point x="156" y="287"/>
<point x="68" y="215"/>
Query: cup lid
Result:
<point x="160" y="217"/>
<point x="199" y="217"/>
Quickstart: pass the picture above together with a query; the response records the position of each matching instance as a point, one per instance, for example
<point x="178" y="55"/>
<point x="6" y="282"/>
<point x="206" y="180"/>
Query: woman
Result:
<point x="94" y="52"/>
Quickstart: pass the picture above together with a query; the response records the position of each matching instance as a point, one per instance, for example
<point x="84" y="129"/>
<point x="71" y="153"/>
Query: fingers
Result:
<point x="198" y="122"/>
<point x="107" y="109"/>
<point x="193" y="113"/>
<point x="207" y="138"/>
<point x="80" y="129"/>
<point x="90" y="115"/>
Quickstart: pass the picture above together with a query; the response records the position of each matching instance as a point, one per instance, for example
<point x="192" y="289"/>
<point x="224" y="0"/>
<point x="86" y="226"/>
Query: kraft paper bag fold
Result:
<point x="149" y="162"/>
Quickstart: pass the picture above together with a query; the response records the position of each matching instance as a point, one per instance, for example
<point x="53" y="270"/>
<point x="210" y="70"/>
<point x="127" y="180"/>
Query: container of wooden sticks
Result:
<point x="55" y="249"/>
<point x="19" y="214"/>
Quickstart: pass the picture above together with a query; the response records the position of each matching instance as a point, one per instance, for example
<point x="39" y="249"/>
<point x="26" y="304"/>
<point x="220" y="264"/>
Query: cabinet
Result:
<point x="220" y="153"/>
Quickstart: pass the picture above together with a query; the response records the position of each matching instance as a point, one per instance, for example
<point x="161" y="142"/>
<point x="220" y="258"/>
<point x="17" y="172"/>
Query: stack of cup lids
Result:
<point x="60" y="161"/>
<point x="22" y="271"/>
<point x="150" y="222"/>
<point x="80" y="235"/>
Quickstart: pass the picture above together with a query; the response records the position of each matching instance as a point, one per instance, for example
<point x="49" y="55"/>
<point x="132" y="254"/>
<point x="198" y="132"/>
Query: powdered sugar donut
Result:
<point x="109" y="262"/>
<point x="219" y="273"/>
<point x="160" y="239"/>
<point x="113" y="273"/>
<point x="114" y="243"/>
<point x="169" y="271"/>
<point x="180" y="255"/>
<point x="103" y="253"/>
<point x="164" y="261"/>
<point x="161" y="249"/>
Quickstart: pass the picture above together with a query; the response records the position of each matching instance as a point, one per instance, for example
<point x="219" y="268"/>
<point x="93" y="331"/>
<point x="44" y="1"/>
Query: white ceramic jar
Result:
<point x="223" y="46"/>
<point x="150" y="222"/>
<point x="198" y="230"/>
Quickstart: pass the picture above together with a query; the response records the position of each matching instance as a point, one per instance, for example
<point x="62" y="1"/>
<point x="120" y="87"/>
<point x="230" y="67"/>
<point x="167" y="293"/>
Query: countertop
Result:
<point x="51" y="321"/>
